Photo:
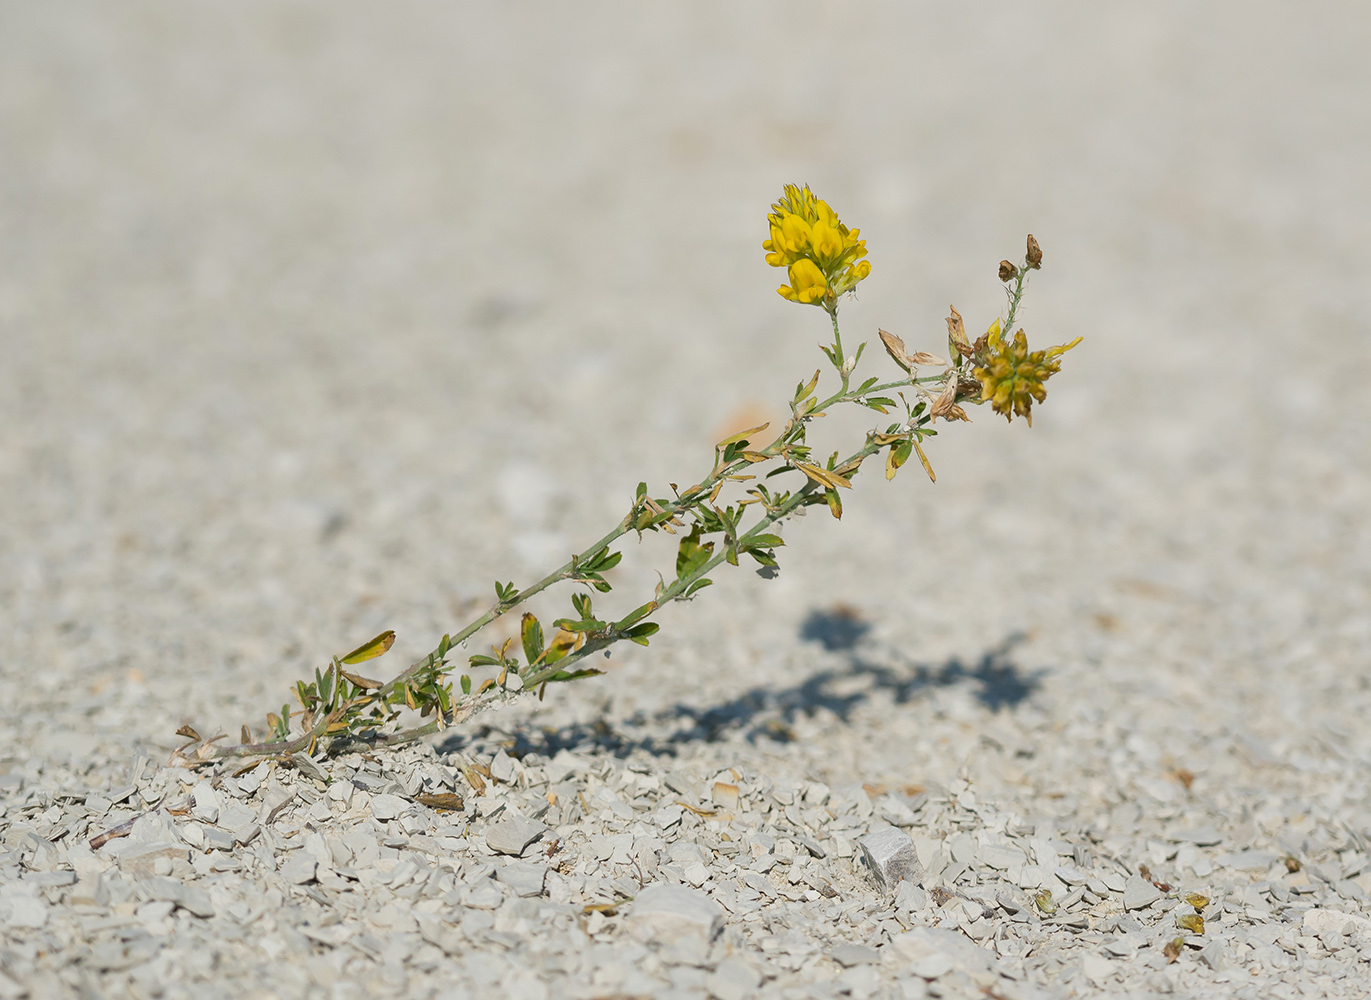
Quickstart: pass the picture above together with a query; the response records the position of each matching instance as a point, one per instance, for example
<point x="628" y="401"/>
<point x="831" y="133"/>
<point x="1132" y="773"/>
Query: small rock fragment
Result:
<point x="890" y="855"/>
<point x="1212" y="955"/>
<point x="512" y="834"/>
<point x="733" y="979"/>
<point x="910" y="896"/>
<point x="1139" y="893"/>
<point x="308" y="766"/>
<point x="299" y="868"/>
<point x="503" y="768"/>
<point x="1201" y="836"/>
<point x="1097" y="968"/>
<point x="666" y="912"/>
<point x="725" y="796"/>
<point x="205" y="802"/>
<point x="930" y="952"/>
<point x="194" y="899"/>
<point x="387" y="807"/>
<point x="20" y="910"/>
<point x="525" y="879"/>
<point x="848" y="955"/>
<point x="1318" y="922"/>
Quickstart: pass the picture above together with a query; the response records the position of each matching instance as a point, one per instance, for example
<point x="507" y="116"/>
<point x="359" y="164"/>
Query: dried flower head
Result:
<point x="1011" y="376"/>
<point x="822" y="256"/>
<point x="1008" y="272"/>
<point x="1034" y="256"/>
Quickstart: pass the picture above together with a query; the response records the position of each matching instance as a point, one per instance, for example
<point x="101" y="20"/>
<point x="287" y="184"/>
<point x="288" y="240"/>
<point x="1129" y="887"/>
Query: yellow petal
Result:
<point x="825" y="240"/>
<point x="808" y="281"/>
<point x="795" y="234"/>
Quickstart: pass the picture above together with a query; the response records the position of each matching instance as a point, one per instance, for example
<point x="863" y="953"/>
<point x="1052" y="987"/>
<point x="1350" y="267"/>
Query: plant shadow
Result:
<point x="763" y="712"/>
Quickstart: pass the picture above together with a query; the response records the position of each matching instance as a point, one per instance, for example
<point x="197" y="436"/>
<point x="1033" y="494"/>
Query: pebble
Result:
<point x="733" y="979"/>
<point x="299" y="869"/>
<point x="513" y="834"/>
<point x="524" y="878"/>
<point x="848" y="955"/>
<point x="386" y="807"/>
<point x="1139" y="893"/>
<point x="891" y="857"/>
<point x="1201" y="836"/>
<point x="669" y="912"/>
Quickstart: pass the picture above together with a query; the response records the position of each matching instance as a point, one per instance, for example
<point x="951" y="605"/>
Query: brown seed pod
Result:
<point x="1035" y="253"/>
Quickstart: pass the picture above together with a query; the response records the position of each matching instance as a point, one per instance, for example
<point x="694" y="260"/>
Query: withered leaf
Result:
<point x="894" y="346"/>
<point x="357" y="680"/>
<point x="440" y="800"/>
<point x="926" y="360"/>
<point x="823" y="476"/>
<point x="743" y="435"/>
<point x="946" y="402"/>
<point x="371" y="649"/>
<point x="956" y="332"/>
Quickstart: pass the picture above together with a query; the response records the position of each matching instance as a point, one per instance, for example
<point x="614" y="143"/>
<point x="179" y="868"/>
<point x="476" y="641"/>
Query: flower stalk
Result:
<point x="824" y="261"/>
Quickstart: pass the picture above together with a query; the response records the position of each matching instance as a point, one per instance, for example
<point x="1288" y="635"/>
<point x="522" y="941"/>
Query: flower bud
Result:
<point x="1008" y="272"/>
<point x="1035" y="253"/>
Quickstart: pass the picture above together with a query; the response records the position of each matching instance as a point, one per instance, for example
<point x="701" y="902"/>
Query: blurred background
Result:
<point x="317" y="318"/>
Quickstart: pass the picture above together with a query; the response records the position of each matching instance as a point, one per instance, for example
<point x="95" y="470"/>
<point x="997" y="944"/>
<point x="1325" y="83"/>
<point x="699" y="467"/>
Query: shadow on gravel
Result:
<point x="766" y="713"/>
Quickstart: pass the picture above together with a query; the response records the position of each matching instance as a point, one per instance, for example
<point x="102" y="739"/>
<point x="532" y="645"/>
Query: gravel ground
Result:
<point x="317" y="319"/>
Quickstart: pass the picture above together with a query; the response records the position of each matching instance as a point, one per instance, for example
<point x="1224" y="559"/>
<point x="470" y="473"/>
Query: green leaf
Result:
<point x="371" y="649"/>
<point x="639" y="633"/>
<point x="481" y="660"/>
<point x="444" y="645"/>
<point x="760" y="542"/>
<point x="766" y="558"/>
<point x="466" y="684"/>
<point x="601" y="561"/>
<point x="636" y="615"/>
<point x="899" y="454"/>
<point x="584" y="625"/>
<point x="581" y="602"/>
<point x="835" y="503"/>
<point x="562" y="644"/>
<point x="505" y="592"/>
<point x="699" y="584"/>
<point x="531" y="635"/>
<point x="691" y="554"/>
<point x="571" y="675"/>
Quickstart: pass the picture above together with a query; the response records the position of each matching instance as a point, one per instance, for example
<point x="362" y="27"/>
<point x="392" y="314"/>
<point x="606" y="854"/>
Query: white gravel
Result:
<point x="316" y="320"/>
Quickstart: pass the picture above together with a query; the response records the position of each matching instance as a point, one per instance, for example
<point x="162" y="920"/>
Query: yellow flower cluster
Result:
<point x="1011" y="376"/>
<point x="822" y="256"/>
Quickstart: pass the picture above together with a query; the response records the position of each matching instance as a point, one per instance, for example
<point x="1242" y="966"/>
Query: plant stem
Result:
<point x="838" y="343"/>
<point x="1015" y="297"/>
<point x="677" y="589"/>
<point x="568" y="571"/>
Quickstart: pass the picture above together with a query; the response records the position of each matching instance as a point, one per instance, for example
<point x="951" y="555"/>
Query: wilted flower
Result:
<point x="1011" y="377"/>
<point x="822" y="256"/>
